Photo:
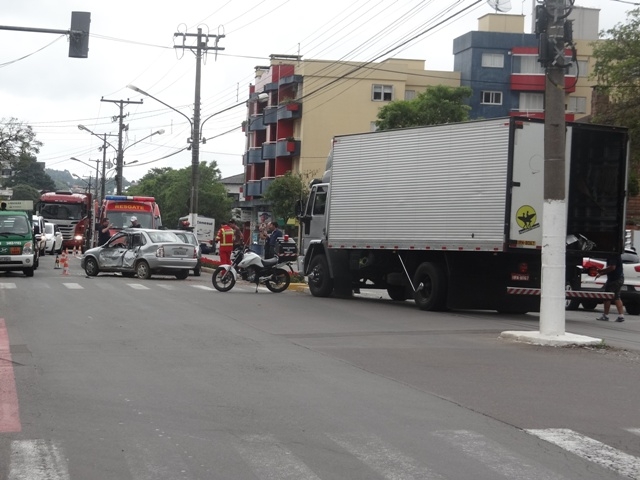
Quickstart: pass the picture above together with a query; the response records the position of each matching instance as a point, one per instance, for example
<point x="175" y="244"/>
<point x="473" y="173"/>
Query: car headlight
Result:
<point x="27" y="248"/>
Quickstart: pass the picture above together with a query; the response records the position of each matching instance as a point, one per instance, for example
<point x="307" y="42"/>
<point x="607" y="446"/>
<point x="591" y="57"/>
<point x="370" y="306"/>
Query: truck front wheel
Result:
<point x="431" y="289"/>
<point x="320" y="282"/>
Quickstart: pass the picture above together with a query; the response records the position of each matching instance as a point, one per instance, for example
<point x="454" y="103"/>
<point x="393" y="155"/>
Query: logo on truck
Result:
<point x="526" y="217"/>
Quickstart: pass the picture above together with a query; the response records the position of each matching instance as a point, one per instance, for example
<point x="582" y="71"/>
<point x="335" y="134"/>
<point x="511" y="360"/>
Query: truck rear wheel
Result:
<point x="320" y="282"/>
<point x="431" y="288"/>
<point x="571" y="303"/>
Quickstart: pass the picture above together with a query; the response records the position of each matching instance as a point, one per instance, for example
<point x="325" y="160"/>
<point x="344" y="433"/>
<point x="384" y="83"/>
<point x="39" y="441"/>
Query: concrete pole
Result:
<point x="195" y="140"/>
<point x="103" y="181"/>
<point x="554" y="213"/>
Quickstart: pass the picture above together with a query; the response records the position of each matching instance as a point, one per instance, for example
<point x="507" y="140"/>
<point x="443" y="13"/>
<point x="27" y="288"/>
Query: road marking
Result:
<point x="9" y="411"/>
<point x="36" y="460"/>
<point x="203" y="287"/>
<point x="7" y="285"/>
<point x="592" y="450"/>
<point x="73" y="286"/>
<point x="138" y="286"/>
<point x="495" y="456"/>
<point x="166" y="287"/>
<point x="271" y="460"/>
<point x="635" y="431"/>
<point x="383" y="458"/>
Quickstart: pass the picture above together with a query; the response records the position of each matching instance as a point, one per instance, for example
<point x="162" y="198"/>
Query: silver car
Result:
<point x="190" y="238"/>
<point x="142" y="252"/>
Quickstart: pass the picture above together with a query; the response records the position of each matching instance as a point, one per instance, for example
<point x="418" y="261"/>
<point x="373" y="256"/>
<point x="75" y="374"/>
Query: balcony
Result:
<point x="268" y="150"/>
<point x="253" y="188"/>
<point x="289" y="110"/>
<point x="290" y="80"/>
<point x="266" y="181"/>
<point x="253" y="156"/>
<point x="256" y="123"/>
<point x="270" y="115"/>
<point x="271" y="87"/>
<point x="287" y="148"/>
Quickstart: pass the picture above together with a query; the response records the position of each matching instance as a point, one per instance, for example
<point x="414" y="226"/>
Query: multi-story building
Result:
<point x="500" y="64"/>
<point x="297" y="106"/>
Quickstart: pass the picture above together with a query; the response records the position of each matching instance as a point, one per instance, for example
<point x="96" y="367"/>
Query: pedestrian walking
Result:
<point x="615" y="280"/>
<point x="270" y="245"/>
<point x="225" y="237"/>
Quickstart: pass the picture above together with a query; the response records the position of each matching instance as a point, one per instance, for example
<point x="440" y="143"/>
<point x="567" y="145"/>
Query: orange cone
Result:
<point x="65" y="263"/>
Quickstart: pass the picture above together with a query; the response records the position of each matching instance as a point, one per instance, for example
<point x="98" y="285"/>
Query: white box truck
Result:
<point x="451" y="215"/>
<point x="203" y="227"/>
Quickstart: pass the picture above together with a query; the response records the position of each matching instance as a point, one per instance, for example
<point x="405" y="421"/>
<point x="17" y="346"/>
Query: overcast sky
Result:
<point x="132" y="42"/>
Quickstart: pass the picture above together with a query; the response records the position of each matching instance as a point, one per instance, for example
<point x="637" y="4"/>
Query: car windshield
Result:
<point x="48" y="228"/>
<point x="161" y="237"/>
<point x="123" y="219"/>
<point x="17" y="224"/>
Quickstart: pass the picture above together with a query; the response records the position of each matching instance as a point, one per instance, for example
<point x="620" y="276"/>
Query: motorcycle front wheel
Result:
<point x="279" y="281"/>
<point x="223" y="279"/>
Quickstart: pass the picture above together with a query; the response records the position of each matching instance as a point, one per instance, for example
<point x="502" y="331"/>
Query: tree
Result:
<point x="438" y="104"/>
<point x="16" y="139"/>
<point x="26" y="170"/>
<point x="25" y="192"/>
<point x="284" y="193"/>
<point x="171" y="189"/>
<point x="617" y="71"/>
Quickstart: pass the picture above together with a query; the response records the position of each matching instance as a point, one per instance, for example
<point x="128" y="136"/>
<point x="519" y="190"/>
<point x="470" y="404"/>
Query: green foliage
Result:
<point x="617" y="70"/>
<point x="284" y="193"/>
<point x="438" y="104"/>
<point x="172" y="190"/>
<point x="25" y="192"/>
<point x="27" y="171"/>
<point x="16" y="139"/>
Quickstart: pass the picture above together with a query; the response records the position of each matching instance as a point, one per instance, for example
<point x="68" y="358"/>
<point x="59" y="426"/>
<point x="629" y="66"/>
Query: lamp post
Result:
<point x="102" y="137"/>
<point x="85" y="163"/>
<point x="194" y="140"/>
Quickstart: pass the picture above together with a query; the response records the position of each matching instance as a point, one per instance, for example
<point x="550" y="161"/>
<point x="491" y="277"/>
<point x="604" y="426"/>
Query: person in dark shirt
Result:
<point x="103" y="232"/>
<point x="615" y="280"/>
<point x="274" y="234"/>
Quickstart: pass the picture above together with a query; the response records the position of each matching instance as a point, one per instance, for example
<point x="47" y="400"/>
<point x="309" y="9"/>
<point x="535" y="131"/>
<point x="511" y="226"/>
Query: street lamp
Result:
<point x="104" y="157"/>
<point x="85" y="163"/>
<point x="194" y="140"/>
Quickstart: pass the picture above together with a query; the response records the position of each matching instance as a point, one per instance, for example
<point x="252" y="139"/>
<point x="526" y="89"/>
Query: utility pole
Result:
<point x="550" y="27"/>
<point x="121" y="128"/>
<point x="200" y="48"/>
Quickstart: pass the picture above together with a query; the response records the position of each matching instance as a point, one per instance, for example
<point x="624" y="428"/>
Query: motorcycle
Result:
<point x="249" y="266"/>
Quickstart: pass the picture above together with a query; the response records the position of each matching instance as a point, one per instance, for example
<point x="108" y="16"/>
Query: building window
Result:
<point x="577" y="105"/>
<point x="579" y="69"/>
<point x="527" y="65"/>
<point x="491" y="98"/>
<point x="531" y="102"/>
<point x="382" y="93"/>
<point x="493" y="60"/>
<point x="409" y="94"/>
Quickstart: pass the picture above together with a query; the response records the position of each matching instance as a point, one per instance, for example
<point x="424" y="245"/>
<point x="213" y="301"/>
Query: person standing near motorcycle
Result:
<point x="238" y="241"/>
<point x="274" y="234"/>
<point x="225" y="237"/>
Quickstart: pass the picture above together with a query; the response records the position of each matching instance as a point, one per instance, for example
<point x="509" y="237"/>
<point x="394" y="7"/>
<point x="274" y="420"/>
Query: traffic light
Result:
<point x="79" y="34"/>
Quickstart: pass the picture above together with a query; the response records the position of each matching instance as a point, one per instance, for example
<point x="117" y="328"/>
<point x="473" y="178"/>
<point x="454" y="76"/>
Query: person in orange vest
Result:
<point x="225" y="237"/>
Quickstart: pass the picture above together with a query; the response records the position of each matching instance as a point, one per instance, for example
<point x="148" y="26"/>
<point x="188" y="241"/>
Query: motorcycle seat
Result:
<point x="270" y="262"/>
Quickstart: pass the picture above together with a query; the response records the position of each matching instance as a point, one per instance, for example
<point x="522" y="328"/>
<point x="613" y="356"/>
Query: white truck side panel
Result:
<point x="433" y="187"/>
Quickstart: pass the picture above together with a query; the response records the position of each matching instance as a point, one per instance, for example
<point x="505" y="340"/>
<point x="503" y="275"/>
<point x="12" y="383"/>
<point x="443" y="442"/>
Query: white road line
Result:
<point x="203" y="287"/>
<point x="383" y="458"/>
<point x="635" y="431"/>
<point x="148" y="462"/>
<point x="592" y="450"/>
<point x="271" y="460"/>
<point x="495" y="456"/>
<point x="73" y="286"/>
<point x="138" y="286"/>
<point x="166" y="287"/>
<point x="7" y="285"/>
<point x="37" y="460"/>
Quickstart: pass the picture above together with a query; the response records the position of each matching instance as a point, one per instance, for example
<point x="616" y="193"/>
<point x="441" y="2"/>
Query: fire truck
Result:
<point x="120" y="208"/>
<point x="72" y="213"/>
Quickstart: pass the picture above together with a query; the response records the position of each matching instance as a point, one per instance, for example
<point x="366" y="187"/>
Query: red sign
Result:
<point x="129" y="207"/>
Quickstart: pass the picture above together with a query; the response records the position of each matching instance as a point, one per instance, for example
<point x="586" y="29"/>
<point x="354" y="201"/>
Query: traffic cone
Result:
<point x="65" y="262"/>
<point x="57" y="262"/>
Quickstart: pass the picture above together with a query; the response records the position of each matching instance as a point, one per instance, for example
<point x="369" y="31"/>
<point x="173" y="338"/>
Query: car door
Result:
<point x="112" y="254"/>
<point x="136" y="241"/>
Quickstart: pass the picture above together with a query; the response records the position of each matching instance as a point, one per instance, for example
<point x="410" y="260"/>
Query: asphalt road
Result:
<point x="115" y="378"/>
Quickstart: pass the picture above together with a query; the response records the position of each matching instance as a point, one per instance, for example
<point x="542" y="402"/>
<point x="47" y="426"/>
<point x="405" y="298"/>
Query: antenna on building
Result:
<point x="500" y="5"/>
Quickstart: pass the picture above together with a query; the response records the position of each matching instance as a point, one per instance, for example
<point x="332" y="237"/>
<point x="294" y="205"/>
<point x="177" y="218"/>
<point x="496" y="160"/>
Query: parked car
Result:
<point x="630" y="292"/>
<point x="190" y="238"/>
<point x="38" y="231"/>
<point x="142" y="252"/>
<point x="53" y="238"/>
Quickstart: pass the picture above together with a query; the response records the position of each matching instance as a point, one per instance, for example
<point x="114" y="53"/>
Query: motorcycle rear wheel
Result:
<point x="223" y="279"/>
<point x="279" y="281"/>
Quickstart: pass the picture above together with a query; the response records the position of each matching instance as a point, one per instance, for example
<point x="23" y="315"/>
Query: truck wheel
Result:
<point x="91" y="267"/>
<point x="431" y="288"/>
<point x="143" y="271"/>
<point x="397" y="293"/>
<point x="571" y="303"/>
<point x="28" y="272"/>
<point x="633" y="308"/>
<point x="589" y="304"/>
<point x="320" y="283"/>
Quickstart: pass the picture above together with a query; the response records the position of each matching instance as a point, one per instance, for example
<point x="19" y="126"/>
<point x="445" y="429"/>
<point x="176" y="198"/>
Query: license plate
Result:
<point x="179" y="251"/>
<point x="5" y="259"/>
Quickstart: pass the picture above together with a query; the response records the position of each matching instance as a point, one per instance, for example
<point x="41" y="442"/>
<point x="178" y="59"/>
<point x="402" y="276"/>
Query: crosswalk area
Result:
<point x="93" y="284"/>
<point x="265" y="457"/>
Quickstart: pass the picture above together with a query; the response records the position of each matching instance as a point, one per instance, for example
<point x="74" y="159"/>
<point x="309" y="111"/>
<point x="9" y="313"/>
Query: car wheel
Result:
<point x="589" y="304"/>
<point x="633" y="308"/>
<point x="91" y="267"/>
<point x="182" y="274"/>
<point x="28" y="272"/>
<point x="143" y="271"/>
<point x="196" y="271"/>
